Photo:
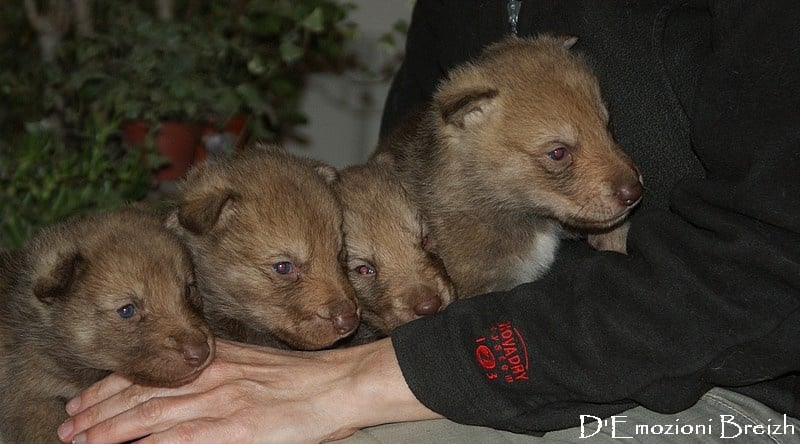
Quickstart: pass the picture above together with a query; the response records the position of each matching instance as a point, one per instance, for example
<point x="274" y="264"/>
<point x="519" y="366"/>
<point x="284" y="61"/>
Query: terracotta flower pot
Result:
<point x="177" y="141"/>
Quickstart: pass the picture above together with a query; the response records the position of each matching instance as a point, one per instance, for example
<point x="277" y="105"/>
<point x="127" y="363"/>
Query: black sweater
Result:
<point x="705" y="97"/>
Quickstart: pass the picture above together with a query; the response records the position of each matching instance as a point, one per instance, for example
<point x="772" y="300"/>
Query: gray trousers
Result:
<point x="720" y="416"/>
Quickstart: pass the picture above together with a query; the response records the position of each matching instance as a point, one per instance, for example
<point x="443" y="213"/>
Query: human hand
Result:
<point x="253" y="394"/>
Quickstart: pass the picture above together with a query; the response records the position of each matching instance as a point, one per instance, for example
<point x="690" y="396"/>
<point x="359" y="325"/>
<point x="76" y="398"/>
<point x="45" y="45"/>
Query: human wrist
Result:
<point x="378" y="392"/>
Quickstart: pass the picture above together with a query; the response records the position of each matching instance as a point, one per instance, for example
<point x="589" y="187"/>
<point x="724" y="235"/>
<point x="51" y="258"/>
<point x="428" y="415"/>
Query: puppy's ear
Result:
<point x="384" y="158"/>
<point x="57" y="277"/>
<point x="327" y="172"/>
<point x="200" y="212"/>
<point x="463" y="108"/>
<point x="568" y="40"/>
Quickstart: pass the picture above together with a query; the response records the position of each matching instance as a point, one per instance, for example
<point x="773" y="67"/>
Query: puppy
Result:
<point x="395" y="276"/>
<point x="107" y="293"/>
<point x="513" y="147"/>
<point x="264" y="229"/>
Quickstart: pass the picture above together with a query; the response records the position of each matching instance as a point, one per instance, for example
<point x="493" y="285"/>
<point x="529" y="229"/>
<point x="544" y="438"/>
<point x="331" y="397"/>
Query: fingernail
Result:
<point x="73" y="405"/>
<point x="79" y="439"/>
<point x="65" y="429"/>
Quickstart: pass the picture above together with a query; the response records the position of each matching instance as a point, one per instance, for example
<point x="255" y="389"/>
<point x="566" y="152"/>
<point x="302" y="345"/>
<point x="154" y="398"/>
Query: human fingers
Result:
<point x="253" y="425"/>
<point x="104" y="409"/>
<point x="114" y="394"/>
<point x="151" y="416"/>
<point x="115" y="383"/>
<point x="99" y="391"/>
<point x="203" y="430"/>
<point x="111" y="399"/>
<point x="99" y="406"/>
<point x="228" y="413"/>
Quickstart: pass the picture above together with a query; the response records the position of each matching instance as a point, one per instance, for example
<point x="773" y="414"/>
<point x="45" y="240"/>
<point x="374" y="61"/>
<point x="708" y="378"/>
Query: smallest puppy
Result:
<point x="90" y="296"/>
<point x="391" y="265"/>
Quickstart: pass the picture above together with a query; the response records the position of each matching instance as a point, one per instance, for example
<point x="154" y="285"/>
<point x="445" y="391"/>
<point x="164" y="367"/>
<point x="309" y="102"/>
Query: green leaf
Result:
<point x="290" y="52"/>
<point x="401" y="27"/>
<point x="254" y="98"/>
<point x="315" y="21"/>
<point x="256" y="65"/>
<point x="388" y="41"/>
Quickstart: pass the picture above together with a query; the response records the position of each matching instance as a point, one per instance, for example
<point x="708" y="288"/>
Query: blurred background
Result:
<point x="345" y="109"/>
<point x="108" y="102"/>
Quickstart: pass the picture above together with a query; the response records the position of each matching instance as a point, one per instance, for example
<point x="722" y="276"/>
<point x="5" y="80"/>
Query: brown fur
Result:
<point x="481" y="161"/>
<point x="60" y="330"/>
<point x="396" y="278"/>
<point x="242" y="218"/>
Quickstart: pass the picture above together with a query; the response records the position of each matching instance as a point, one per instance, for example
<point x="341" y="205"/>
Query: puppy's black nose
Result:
<point x="195" y="354"/>
<point x="343" y="316"/>
<point x="628" y="194"/>
<point x="426" y="300"/>
<point x="345" y="323"/>
<point x="428" y="306"/>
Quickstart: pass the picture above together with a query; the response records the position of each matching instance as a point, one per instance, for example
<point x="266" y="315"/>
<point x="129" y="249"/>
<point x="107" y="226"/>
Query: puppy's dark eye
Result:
<point x="126" y="311"/>
<point x="365" y="270"/>
<point x="558" y="154"/>
<point x="188" y="292"/>
<point x="283" y="267"/>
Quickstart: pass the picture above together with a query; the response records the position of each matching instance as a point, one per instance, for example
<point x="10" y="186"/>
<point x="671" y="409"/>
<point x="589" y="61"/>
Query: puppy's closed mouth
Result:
<point x="599" y="224"/>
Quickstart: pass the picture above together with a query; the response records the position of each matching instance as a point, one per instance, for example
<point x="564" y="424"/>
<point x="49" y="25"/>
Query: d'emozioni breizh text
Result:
<point x="722" y="427"/>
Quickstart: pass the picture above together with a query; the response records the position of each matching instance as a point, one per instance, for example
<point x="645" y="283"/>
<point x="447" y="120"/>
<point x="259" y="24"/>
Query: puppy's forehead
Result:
<point x="107" y="288"/>
<point x="286" y="212"/>
<point x="370" y="188"/>
<point x="277" y="195"/>
<point x="309" y="208"/>
<point x="387" y="221"/>
<point x="536" y="71"/>
<point x="377" y="209"/>
<point x="558" y="111"/>
<point x="128" y="264"/>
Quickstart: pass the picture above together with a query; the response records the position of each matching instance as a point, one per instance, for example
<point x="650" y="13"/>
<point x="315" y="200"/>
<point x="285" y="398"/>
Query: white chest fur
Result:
<point x="538" y="257"/>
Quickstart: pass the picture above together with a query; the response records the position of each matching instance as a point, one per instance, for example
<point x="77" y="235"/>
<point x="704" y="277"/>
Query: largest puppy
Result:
<point x="265" y="231"/>
<point x="514" y="146"/>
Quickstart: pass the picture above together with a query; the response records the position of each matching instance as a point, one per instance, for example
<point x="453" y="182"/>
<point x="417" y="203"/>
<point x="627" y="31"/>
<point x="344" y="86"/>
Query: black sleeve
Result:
<point x="441" y="35"/>
<point x="709" y="294"/>
<point x="419" y="73"/>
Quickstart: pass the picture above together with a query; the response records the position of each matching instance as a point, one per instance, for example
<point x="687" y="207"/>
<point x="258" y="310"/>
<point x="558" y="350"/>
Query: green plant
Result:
<point x="42" y="181"/>
<point x="155" y="69"/>
<point x="199" y="59"/>
<point x="274" y="46"/>
<point x="63" y="101"/>
<point x="213" y="59"/>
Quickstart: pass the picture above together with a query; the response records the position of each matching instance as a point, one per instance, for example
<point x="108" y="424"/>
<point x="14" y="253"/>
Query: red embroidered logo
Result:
<point x="502" y="354"/>
<point x="485" y="357"/>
